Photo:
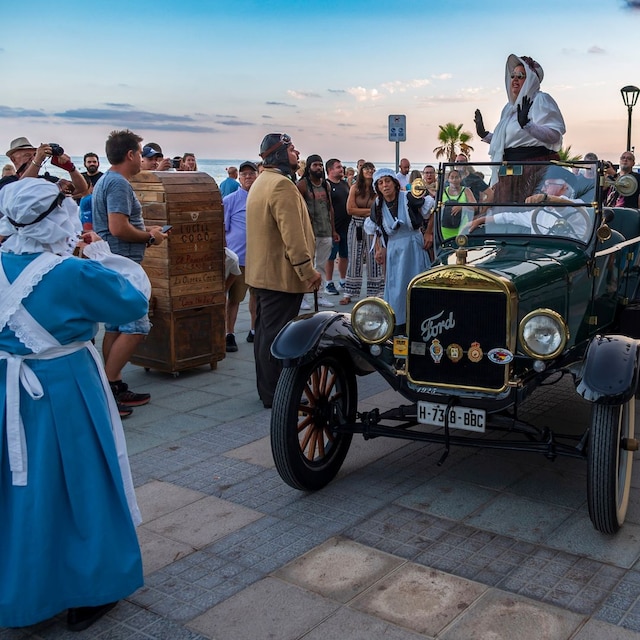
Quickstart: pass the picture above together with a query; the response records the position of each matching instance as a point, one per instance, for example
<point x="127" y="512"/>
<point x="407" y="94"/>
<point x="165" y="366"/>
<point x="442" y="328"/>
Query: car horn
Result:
<point x="418" y="188"/>
<point x="625" y="185"/>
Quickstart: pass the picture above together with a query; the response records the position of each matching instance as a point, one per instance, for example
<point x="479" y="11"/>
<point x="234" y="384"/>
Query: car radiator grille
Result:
<point x="461" y="327"/>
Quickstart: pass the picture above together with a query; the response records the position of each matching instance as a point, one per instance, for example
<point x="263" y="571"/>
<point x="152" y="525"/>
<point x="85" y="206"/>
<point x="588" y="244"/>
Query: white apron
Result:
<point x="45" y="347"/>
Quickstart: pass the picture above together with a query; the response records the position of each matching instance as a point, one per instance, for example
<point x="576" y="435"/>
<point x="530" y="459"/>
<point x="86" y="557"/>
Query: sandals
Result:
<point x="346" y="300"/>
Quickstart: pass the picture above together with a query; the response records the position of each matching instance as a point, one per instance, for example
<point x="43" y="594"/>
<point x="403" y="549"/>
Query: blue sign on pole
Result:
<point x="397" y="128"/>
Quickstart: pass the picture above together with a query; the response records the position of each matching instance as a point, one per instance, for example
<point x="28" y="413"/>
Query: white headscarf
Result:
<point x="530" y="88"/>
<point x="21" y="203"/>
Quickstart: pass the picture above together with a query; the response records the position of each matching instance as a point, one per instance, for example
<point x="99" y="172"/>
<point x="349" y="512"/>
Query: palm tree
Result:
<point x="565" y="155"/>
<point x="453" y="140"/>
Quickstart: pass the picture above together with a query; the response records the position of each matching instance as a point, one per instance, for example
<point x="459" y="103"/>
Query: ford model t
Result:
<point x="525" y="291"/>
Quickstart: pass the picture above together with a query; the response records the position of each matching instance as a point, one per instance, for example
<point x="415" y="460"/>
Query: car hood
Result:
<point x="524" y="265"/>
<point x="551" y="276"/>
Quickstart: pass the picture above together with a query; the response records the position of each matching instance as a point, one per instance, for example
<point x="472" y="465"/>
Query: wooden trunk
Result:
<point x="187" y="307"/>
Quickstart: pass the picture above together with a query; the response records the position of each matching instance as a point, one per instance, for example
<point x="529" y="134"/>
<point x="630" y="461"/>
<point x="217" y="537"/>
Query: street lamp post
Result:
<point x="629" y="97"/>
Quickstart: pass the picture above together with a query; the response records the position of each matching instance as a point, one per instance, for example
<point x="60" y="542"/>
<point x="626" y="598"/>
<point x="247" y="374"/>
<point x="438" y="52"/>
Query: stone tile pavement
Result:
<point x="488" y="545"/>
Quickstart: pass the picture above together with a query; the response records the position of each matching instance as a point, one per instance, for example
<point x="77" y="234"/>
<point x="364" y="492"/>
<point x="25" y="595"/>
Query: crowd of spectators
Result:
<point x="289" y="227"/>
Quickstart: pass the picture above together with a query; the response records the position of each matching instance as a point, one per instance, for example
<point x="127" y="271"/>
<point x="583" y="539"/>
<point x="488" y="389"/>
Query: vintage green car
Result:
<point x="525" y="292"/>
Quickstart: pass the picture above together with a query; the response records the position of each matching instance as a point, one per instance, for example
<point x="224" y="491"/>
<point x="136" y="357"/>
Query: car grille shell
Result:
<point x="457" y="317"/>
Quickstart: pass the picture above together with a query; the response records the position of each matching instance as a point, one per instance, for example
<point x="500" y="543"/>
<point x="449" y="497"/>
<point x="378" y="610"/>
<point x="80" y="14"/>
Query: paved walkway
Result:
<point x="488" y="545"/>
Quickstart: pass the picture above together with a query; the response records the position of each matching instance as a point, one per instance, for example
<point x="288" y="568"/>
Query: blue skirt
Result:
<point x="67" y="538"/>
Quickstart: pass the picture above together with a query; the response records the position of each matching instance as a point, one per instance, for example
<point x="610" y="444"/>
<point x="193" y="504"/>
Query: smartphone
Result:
<point x="167" y="227"/>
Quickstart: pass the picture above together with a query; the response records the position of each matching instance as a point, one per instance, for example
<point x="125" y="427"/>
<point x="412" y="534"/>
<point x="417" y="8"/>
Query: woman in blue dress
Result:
<point x="399" y="222"/>
<point x="67" y="506"/>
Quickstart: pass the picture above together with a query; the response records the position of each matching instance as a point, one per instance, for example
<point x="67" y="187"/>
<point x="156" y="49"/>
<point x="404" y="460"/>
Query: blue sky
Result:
<point x="214" y="77"/>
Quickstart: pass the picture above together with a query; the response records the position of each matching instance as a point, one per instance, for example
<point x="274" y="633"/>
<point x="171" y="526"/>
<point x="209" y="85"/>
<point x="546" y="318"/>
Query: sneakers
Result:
<point x="231" y="343"/>
<point x="330" y="289"/>
<point x="342" y="284"/>
<point x="325" y="303"/>
<point x="128" y="398"/>
<point x="251" y="336"/>
<point x="124" y="412"/>
<point x="305" y="306"/>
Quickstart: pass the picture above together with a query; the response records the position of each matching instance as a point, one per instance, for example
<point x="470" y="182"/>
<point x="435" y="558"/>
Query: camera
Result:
<point x="56" y="149"/>
<point x="175" y="163"/>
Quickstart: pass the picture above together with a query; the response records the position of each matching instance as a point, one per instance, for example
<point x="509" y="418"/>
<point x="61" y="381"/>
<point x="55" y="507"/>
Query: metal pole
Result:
<point x="630" y="109"/>
<point x="398" y="156"/>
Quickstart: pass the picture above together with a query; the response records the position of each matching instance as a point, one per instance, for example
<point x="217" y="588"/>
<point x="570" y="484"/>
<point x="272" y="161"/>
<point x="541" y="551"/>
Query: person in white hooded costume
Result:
<point x="67" y="505"/>
<point x="530" y="129"/>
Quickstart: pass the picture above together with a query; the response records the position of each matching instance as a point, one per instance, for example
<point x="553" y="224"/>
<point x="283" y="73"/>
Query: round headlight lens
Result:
<point x="543" y="334"/>
<point x="373" y="320"/>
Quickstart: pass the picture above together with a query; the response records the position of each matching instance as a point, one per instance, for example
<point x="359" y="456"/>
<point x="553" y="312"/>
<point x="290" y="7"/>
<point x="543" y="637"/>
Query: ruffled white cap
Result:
<point x="23" y="201"/>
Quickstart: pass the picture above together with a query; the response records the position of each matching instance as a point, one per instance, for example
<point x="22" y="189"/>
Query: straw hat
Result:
<point x="19" y="143"/>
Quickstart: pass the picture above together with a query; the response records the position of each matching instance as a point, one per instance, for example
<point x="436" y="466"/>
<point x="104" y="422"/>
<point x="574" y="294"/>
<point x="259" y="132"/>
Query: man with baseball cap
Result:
<point x="28" y="161"/>
<point x="150" y="158"/>
<point x="164" y="164"/>
<point x="235" y="228"/>
<point x="281" y="246"/>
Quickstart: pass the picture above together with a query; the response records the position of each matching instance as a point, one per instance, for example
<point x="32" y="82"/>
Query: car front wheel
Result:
<point x="310" y="401"/>
<point x="609" y="465"/>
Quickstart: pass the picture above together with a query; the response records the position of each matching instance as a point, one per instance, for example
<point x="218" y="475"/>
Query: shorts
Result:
<point x="341" y="247"/>
<point x="140" y="326"/>
<point x="238" y="289"/>
<point x="231" y="264"/>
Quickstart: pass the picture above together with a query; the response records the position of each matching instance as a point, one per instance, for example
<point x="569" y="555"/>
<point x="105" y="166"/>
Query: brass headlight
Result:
<point x="543" y="334"/>
<point x="373" y="320"/>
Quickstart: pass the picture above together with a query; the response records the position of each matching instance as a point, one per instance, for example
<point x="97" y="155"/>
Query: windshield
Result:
<point x="527" y="198"/>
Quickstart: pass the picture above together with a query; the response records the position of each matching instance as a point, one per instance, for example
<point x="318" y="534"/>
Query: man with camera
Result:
<point x="117" y="218"/>
<point x="28" y="161"/>
<point x="615" y="199"/>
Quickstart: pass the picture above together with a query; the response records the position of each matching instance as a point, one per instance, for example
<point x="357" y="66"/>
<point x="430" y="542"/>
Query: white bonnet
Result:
<point x="22" y="202"/>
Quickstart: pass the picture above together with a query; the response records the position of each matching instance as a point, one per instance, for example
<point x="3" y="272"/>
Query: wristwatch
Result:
<point x="151" y="240"/>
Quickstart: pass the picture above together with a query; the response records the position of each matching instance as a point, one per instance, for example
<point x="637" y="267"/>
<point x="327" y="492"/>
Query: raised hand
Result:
<point x="480" y="130"/>
<point x="523" y="111"/>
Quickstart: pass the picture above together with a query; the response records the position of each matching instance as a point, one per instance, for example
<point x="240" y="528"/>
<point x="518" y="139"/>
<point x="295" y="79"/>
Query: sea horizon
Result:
<point x="215" y="167"/>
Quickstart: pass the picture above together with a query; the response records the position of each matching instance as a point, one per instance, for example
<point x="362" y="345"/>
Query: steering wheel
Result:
<point x="561" y="226"/>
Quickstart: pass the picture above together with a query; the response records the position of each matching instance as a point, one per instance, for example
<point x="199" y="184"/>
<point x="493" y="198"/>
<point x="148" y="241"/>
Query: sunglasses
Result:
<point x="519" y="76"/>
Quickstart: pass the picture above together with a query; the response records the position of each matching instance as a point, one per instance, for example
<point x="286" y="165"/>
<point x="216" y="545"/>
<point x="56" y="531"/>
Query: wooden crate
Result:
<point x="187" y="307"/>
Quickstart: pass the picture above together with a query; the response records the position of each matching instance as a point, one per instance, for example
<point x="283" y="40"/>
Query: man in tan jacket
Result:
<point x="280" y="253"/>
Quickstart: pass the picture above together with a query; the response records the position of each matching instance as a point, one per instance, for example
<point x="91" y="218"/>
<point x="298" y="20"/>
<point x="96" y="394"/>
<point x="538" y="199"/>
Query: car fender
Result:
<point x="609" y="373"/>
<point x="304" y="337"/>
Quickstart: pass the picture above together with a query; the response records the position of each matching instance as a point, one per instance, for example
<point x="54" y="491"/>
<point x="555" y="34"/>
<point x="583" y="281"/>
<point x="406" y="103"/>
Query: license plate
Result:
<point x="433" y="413"/>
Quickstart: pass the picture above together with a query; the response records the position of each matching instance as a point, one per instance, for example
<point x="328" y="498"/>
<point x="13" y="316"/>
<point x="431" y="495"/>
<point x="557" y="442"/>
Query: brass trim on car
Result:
<point x="462" y="276"/>
<point x="551" y="314"/>
<point x="384" y="304"/>
<point x="468" y="278"/>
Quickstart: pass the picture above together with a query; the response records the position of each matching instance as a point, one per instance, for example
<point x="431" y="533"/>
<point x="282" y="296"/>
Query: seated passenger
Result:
<point x="546" y="219"/>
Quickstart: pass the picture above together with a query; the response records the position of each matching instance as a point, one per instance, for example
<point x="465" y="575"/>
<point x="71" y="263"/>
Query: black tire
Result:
<point x="309" y="400"/>
<point x="609" y="465"/>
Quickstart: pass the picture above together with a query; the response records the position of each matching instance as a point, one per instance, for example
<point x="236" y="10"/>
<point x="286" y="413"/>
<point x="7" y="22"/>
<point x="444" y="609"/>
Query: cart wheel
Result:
<point x="310" y="400"/>
<point x="147" y="369"/>
<point x="175" y="374"/>
<point x="609" y="465"/>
